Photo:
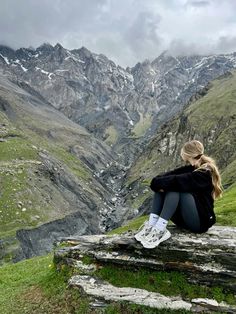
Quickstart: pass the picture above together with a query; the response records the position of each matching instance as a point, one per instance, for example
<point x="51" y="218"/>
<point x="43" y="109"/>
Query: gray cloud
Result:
<point x="142" y="36"/>
<point x="199" y="4"/>
<point x="179" y="48"/>
<point x="32" y="22"/>
<point x="127" y="31"/>
<point x="225" y="44"/>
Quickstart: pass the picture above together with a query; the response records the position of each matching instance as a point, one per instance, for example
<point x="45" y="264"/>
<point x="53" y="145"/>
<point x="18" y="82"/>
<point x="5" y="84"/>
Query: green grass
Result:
<point x="142" y="125"/>
<point x="21" y="205"/>
<point x="228" y="175"/>
<point x="225" y="208"/>
<point x="71" y="161"/>
<point x="19" y="181"/>
<point x="17" y="148"/>
<point x="166" y="283"/>
<point x="35" y="286"/>
<point x="132" y="225"/>
<point x="32" y="286"/>
<point x="15" y="154"/>
<point x="111" y="134"/>
<point x="19" y="202"/>
<point x="10" y="214"/>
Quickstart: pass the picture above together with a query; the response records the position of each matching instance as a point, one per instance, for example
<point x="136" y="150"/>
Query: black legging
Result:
<point x="179" y="207"/>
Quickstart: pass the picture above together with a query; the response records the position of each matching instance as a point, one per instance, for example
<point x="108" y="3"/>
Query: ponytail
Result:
<point x="206" y="162"/>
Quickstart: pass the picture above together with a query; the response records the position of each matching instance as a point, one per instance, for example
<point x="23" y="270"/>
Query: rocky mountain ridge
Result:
<point x="123" y="107"/>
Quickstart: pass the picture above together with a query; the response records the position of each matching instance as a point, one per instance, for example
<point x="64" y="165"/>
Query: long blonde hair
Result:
<point x="195" y="150"/>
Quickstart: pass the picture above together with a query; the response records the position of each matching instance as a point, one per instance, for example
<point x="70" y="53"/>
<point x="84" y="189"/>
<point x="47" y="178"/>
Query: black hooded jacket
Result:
<point x="197" y="182"/>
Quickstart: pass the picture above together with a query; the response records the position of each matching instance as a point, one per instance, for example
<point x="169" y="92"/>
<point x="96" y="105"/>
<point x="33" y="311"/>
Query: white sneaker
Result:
<point x="143" y="231"/>
<point x="155" y="237"/>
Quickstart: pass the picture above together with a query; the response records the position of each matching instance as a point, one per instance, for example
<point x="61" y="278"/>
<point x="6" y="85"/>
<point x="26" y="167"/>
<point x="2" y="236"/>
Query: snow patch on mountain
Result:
<point x="5" y="59"/>
<point x="49" y="75"/>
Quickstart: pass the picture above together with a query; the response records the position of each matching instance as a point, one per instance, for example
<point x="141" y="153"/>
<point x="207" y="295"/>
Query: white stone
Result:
<point x="109" y="292"/>
<point x="205" y="301"/>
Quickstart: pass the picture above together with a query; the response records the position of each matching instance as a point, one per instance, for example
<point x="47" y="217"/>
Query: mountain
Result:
<point x="56" y="178"/>
<point x="211" y="118"/>
<point x="123" y="107"/>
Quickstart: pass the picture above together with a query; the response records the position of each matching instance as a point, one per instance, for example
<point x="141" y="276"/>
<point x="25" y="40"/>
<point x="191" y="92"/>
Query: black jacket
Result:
<point x="196" y="182"/>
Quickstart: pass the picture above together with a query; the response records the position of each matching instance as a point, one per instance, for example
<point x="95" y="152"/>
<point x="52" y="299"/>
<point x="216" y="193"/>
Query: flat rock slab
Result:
<point x="208" y="258"/>
<point x="99" y="289"/>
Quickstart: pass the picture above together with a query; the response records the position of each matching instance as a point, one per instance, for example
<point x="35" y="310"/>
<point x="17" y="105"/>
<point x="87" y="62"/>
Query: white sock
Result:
<point x="153" y="218"/>
<point x="161" y="224"/>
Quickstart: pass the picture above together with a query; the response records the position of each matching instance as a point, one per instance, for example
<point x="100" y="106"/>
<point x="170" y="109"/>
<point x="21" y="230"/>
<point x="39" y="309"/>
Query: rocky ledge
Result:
<point x="208" y="259"/>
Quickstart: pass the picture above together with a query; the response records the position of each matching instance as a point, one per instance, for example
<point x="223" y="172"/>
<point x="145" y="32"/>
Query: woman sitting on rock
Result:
<point x="185" y="195"/>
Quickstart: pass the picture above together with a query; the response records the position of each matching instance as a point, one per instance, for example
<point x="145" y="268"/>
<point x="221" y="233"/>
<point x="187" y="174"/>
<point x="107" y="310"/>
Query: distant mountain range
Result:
<point x="123" y="107"/>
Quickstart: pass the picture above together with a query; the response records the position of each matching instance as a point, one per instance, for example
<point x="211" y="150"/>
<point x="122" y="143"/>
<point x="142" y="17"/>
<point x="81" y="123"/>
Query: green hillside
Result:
<point x="210" y="119"/>
<point x="35" y="286"/>
<point x="44" y="174"/>
<point x="22" y="203"/>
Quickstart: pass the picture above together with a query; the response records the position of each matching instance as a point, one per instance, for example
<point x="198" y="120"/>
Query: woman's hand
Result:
<point x="161" y="190"/>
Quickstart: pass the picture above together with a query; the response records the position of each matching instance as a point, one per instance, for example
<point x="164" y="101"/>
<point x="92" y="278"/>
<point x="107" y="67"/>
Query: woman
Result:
<point x="185" y="195"/>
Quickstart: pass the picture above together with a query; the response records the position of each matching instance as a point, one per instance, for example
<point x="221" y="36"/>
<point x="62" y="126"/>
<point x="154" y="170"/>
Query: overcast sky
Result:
<point x="126" y="31"/>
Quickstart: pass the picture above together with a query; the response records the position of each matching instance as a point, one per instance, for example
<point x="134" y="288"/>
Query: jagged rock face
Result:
<point x="112" y="102"/>
<point x="56" y="178"/>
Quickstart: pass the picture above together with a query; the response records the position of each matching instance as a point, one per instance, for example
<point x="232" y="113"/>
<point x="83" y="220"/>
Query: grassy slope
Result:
<point x="18" y="162"/>
<point x="30" y="130"/>
<point x="35" y="286"/>
<point x="142" y="125"/>
<point x="211" y="119"/>
<point x="215" y="113"/>
<point x="225" y="208"/>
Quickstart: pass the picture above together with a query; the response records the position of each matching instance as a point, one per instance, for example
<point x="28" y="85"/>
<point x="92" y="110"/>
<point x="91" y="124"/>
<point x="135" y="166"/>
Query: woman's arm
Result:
<point x="186" y="182"/>
<point x="179" y="170"/>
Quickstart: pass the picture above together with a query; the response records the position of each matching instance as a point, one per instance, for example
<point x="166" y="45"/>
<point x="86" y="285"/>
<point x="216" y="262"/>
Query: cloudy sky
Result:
<point x="126" y="31"/>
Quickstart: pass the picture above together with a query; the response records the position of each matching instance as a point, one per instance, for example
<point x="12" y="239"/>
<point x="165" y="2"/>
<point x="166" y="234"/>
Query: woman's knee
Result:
<point x="186" y="196"/>
<point x="172" y="195"/>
